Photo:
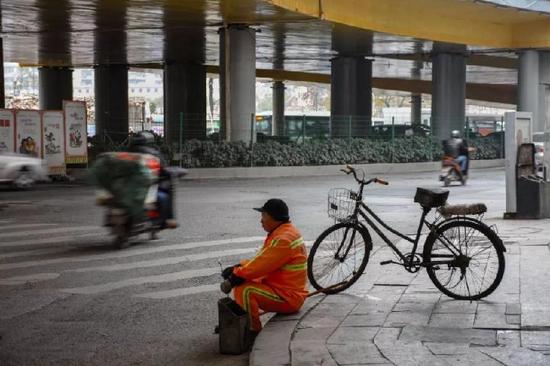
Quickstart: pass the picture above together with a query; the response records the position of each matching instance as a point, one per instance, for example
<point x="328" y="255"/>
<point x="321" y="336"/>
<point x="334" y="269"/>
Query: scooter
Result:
<point x="123" y="226"/>
<point x="451" y="172"/>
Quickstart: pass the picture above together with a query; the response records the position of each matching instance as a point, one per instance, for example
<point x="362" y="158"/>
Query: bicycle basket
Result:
<point x="341" y="203"/>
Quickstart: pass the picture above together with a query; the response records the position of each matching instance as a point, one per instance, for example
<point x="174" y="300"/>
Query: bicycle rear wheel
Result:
<point x="466" y="260"/>
<point x="338" y="257"/>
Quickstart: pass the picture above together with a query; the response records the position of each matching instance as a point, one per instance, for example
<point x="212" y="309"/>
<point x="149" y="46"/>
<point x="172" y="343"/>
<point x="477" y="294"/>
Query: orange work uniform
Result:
<point x="276" y="278"/>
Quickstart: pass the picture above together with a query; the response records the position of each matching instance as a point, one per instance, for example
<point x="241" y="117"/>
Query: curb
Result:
<point x="80" y="175"/>
<point x="278" y="331"/>
<point x="326" y="170"/>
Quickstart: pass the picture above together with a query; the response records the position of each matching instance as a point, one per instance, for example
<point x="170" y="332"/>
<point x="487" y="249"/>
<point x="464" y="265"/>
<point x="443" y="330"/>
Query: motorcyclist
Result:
<point x="457" y="148"/>
<point x="143" y="143"/>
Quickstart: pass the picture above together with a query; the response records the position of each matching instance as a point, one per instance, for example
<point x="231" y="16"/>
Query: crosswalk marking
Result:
<point x="51" y="240"/>
<point x="136" y="251"/>
<point x="32" y="252"/>
<point x="20" y="280"/>
<point x="22" y="226"/>
<point x="179" y="292"/>
<point x="165" y="261"/>
<point x="168" y="277"/>
<point x="47" y="231"/>
<point x="123" y="254"/>
<point x="57" y="244"/>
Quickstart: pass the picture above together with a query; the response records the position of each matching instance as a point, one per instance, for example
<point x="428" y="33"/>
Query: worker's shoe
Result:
<point x="171" y="224"/>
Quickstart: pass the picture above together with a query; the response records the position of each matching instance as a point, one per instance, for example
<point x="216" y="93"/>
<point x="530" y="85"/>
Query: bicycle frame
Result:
<point x="363" y="211"/>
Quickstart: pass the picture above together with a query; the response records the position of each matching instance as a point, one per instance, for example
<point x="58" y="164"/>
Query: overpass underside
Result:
<point x="454" y="50"/>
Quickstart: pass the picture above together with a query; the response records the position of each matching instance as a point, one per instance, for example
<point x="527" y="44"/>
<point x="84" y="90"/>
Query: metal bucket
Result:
<point x="233" y="327"/>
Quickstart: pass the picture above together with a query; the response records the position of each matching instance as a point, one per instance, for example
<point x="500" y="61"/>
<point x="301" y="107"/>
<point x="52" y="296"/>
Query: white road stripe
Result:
<point x="47" y="231"/>
<point x="168" y="277"/>
<point x="2" y="222"/>
<point x="51" y="240"/>
<point x="124" y="253"/>
<point x="23" y="226"/>
<point x="166" y="261"/>
<point x="179" y="292"/>
<point x="26" y="253"/>
<point x="20" y="280"/>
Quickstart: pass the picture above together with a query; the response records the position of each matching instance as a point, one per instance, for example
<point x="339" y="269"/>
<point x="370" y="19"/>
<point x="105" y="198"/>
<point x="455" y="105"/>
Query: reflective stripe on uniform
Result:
<point x="296" y="243"/>
<point x="249" y="289"/>
<point x="295" y="267"/>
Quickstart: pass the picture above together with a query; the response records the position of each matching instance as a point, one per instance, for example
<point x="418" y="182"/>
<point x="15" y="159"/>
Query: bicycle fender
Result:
<point x="499" y="244"/>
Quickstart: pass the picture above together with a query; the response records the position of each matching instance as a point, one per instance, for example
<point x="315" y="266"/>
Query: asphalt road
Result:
<point x="67" y="297"/>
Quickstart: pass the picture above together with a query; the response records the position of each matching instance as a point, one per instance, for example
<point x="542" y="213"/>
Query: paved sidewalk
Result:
<point x="392" y="317"/>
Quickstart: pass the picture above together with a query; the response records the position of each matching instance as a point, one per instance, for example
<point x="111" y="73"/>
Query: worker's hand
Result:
<point x="235" y="280"/>
<point x="228" y="271"/>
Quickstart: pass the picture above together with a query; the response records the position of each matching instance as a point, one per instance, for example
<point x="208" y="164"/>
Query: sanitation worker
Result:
<point x="275" y="280"/>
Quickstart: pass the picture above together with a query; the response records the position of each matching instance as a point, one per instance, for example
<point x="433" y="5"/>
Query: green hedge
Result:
<point x="205" y="154"/>
<point x="209" y="154"/>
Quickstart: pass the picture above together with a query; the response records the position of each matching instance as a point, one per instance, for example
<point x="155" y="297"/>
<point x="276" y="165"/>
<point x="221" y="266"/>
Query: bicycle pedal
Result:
<point x="383" y="263"/>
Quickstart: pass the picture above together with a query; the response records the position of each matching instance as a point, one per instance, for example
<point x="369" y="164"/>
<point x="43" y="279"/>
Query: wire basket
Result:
<point x="341" y="203"/>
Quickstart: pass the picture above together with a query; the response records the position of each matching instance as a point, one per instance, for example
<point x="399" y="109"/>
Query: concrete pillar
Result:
<point x="237" y="82"/>
<point x="544" y="92"/>
<point x="528" y="85"/>
<point x="2" y="90"/>
<point x="416" y="99"/>
<point x="416" y="109"/>
<point x="278" y="118"/>
<point x="351" y="96"/>
<point x="55" y="86"/>
<point x="111" y="102"/>
<point x="448" y="89"/>
<point x="185" y="98"/>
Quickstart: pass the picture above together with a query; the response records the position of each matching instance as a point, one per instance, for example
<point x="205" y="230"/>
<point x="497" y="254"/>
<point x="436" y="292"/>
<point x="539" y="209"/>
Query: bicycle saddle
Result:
<point x="431" y="197"/>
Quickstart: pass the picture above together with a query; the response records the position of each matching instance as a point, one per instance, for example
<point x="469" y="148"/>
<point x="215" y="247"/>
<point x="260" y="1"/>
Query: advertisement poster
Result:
<point x="54" y="142"/>
<point x="76" y="144"/>
<point x="7" y="131"/>
<point x="28" y="133"/>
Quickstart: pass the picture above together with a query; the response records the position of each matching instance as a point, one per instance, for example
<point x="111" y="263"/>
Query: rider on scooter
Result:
<point x="457" y="148"/>
<point x="143" y="143"/>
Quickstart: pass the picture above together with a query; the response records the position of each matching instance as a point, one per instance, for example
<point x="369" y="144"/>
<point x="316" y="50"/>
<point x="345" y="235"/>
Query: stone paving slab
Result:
<point x="516" y="356"/>
<point x="448" y="335"/>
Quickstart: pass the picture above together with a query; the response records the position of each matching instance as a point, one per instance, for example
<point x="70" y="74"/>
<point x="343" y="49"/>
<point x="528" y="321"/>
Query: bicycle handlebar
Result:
<point x="351" y="170"/>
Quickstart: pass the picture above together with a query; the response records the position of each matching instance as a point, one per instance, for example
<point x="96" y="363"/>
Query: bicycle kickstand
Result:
<point x="383" y="263"/>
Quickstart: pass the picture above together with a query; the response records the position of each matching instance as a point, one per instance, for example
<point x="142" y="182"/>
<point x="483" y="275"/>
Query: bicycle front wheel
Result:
<point x="465" y="260"/>
<point x="338" y="257"/>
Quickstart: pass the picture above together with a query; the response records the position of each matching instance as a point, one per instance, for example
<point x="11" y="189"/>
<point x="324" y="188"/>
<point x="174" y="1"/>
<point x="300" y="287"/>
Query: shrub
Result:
<point x="210" y="154"/>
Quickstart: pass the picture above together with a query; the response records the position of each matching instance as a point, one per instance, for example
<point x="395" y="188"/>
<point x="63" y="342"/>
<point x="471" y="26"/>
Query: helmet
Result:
<point x="142" y="138"/>
<point x="455" y="134"/>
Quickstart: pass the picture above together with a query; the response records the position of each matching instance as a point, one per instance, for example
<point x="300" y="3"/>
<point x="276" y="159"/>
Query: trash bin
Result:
<point x="532" y="191"/>
<point x="233" y="327"/>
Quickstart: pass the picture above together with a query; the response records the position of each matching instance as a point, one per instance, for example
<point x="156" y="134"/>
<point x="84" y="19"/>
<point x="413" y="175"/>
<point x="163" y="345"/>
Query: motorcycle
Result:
<point x="125" y="225"/>
<point x="451" y="172"/>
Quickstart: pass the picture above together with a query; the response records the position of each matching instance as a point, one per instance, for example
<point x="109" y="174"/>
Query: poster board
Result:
<point x="7" y="131"/>
<point x="28" y="132"/>
<point x="76" y="142"/>
<point x="53" y="134"/>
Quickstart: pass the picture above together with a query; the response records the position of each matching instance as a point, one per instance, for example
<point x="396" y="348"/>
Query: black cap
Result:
<point x="276" y="208"/>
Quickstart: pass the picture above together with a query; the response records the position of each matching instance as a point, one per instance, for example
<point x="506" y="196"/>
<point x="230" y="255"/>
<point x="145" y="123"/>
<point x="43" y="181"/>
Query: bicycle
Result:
<point x="463" y="256"/>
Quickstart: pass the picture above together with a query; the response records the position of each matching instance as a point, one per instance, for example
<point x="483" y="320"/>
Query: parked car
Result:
<point x="539" y="156"/>
<point x="21" y="171"/>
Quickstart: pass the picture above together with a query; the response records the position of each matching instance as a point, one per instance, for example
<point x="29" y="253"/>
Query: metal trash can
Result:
<point x="533" y="192"/>
<point x="233" y="327"/>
